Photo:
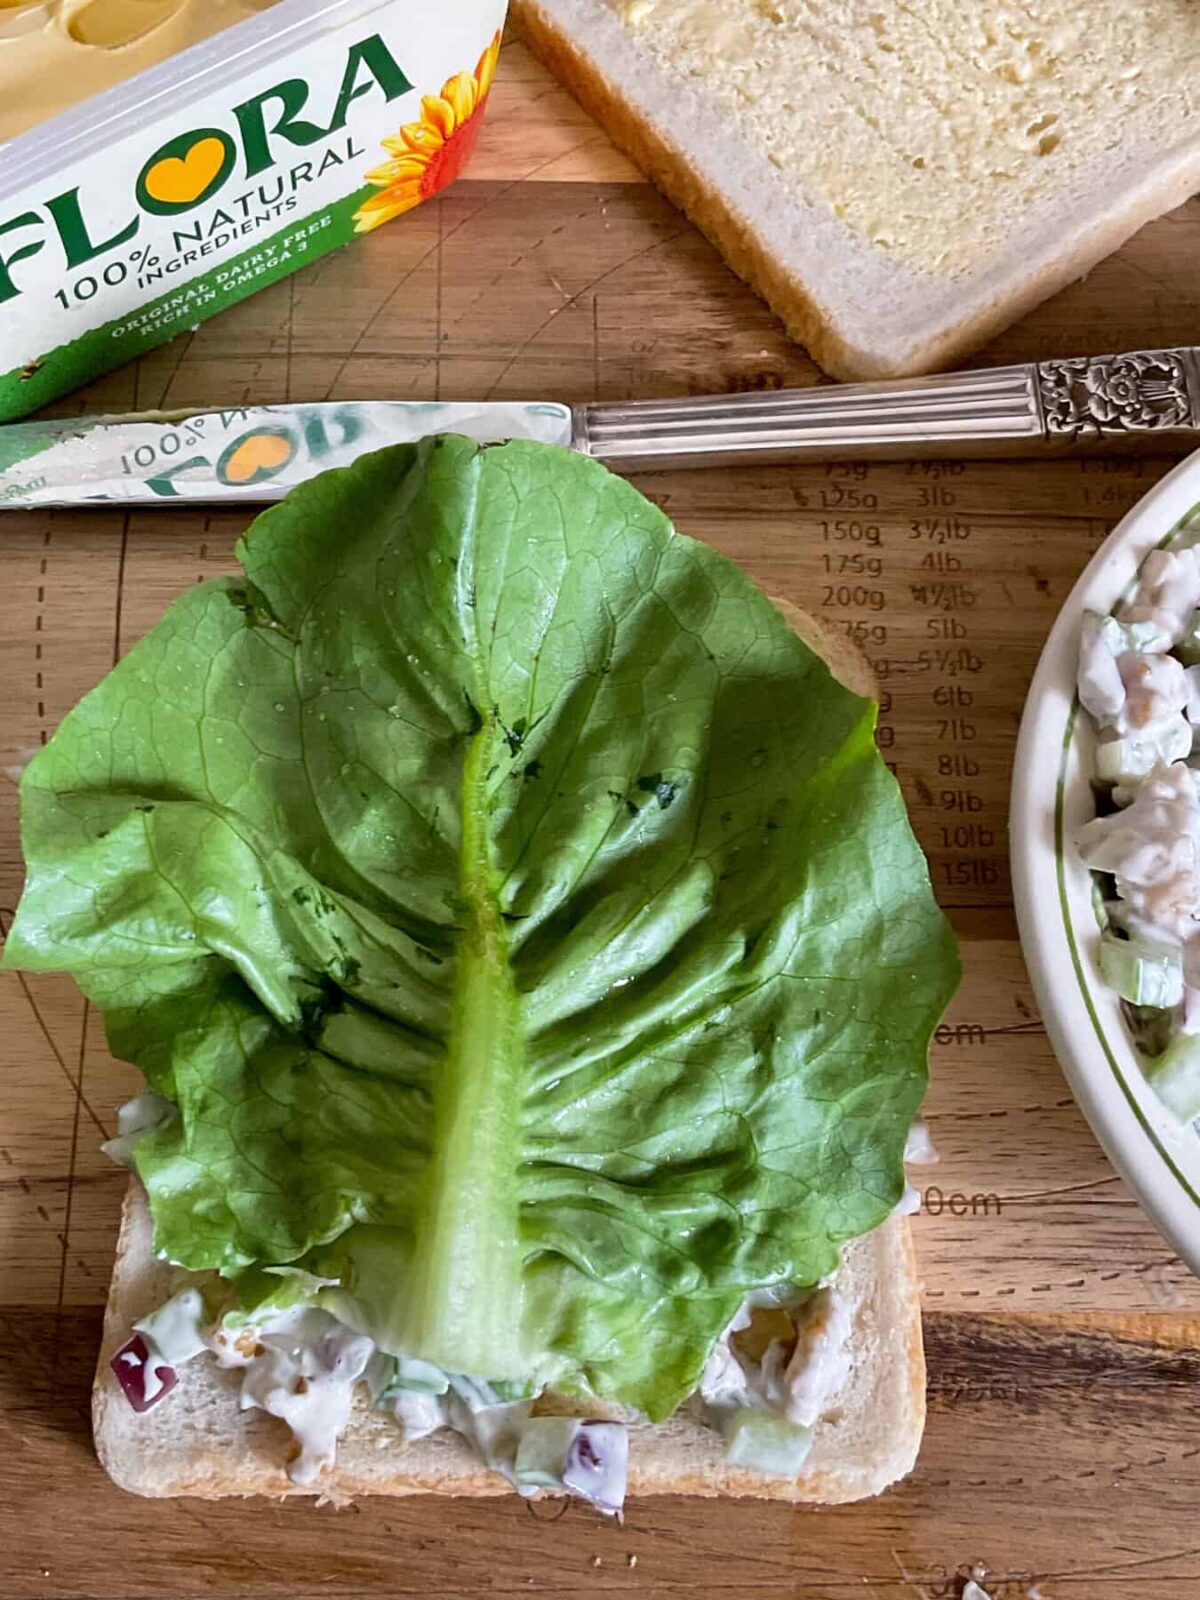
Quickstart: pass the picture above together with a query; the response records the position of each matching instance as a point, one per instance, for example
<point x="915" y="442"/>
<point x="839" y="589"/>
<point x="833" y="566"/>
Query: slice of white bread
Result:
<point x="900" y="179"/>
<point x="197" y="1442"/>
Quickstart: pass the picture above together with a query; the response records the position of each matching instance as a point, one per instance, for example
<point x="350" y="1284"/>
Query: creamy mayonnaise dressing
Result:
<point x="918" y="1152"/>
<point x="820" y="1364"/>
<point x="55" y="53"/>
<point x="418" y="1412"/>
<point x="1139" y="682"/>
<point x="799" y="1372"/>
<point x="1152" y="849"/>
<point x="176" y="1331"/>
<point x="301" y="1366"/>
<point x="918" y="1145"/>
<point x="143" y="1114"/>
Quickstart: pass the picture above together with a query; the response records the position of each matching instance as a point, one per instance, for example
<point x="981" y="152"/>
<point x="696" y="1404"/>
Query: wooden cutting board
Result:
<point x="1063" y="1448"/>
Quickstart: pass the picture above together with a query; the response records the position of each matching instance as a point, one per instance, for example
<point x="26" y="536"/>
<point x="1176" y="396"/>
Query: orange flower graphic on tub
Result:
<point x="427" y="155"/>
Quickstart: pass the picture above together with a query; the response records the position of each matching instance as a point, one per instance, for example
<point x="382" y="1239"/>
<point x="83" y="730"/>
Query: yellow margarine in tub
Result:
<point x="55" y="53"/>
<point x="161" y="159"/>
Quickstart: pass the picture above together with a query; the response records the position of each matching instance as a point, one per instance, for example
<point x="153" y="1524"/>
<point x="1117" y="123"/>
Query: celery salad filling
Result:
<point x="1139" y="682"/>
<point x="774" y="1372"/>
<point x="529" y="959"/>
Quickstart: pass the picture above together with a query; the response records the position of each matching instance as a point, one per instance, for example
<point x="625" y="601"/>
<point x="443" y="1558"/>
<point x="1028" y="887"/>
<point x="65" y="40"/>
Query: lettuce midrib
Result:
<point x="466" y="1300"/>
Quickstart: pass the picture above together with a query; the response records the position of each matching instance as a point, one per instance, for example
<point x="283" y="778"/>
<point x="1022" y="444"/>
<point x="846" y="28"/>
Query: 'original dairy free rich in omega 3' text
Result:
<point x="161" y="159"/>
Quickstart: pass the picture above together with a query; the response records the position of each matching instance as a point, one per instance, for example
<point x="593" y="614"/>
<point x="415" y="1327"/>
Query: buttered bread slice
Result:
<point x="898" y="181"/>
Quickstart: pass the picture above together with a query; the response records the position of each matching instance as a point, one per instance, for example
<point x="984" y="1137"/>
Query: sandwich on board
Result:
<point x="899" y="181"/>
<point x="533" y="970"/>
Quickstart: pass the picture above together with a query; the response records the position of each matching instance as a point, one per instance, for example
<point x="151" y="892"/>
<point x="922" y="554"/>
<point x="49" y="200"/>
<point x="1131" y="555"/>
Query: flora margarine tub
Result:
<point x="162" y="159"/>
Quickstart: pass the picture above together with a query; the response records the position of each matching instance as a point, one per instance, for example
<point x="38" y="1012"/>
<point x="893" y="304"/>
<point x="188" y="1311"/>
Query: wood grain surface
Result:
<point x="1063" y="1449"/>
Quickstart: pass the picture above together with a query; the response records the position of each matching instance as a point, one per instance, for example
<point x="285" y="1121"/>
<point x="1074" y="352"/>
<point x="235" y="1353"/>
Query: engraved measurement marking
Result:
<point x="928" y="559"/>
<point x="953" y="1202"/>
<point x="961" y="1033"/>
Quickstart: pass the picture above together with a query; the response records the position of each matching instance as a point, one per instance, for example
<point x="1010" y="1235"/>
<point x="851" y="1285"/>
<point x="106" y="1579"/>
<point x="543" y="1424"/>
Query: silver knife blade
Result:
<point x="1145" y="399"/>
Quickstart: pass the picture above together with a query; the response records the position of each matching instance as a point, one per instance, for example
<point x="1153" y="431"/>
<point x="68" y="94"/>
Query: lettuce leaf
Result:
<point x="518" y="913"/>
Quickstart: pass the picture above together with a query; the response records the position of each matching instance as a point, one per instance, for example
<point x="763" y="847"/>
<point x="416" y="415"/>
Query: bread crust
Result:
<point x="841" y="655"/>
<point x="809" y="321"/>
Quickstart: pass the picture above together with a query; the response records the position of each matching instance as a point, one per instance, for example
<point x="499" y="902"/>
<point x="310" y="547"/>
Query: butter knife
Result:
<point x="1147" y="400"/>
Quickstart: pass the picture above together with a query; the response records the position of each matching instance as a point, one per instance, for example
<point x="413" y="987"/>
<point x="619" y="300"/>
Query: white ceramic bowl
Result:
<point x="1158" y="1156"/>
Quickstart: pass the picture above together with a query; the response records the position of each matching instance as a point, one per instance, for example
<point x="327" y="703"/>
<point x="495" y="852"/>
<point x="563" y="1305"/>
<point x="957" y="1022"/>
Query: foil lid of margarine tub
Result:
<point x="162" y="159"/>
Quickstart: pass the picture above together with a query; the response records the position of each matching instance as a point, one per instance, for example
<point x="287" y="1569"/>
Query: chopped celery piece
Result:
<point x="1126" y="759"/>
<point x="412" y="1373"/>
<point x="1175" y="1076"/>
<point x="1188" y="648"/>
<point x="1140" y="638"/>
<point x="379" y="1374"/>
<point x="768" y="1444"/>
<point x="1152" y="1028"/>
<point x="542" y="1454"/>
<point x="477" y="1394"/>
<point x="417" y="1411"/>
<point x="1144" y="974"/>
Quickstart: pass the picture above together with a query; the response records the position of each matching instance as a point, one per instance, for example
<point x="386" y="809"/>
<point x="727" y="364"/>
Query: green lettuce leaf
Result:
<point x="517" y="911"/>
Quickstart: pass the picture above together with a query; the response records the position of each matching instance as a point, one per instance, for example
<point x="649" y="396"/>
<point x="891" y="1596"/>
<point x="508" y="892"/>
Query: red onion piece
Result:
<point x="138" y="1371"/>
<point x="597" y="1464"/>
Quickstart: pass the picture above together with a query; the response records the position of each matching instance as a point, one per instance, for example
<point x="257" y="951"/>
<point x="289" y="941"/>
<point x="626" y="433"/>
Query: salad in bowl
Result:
<point x="1105" y="843"/>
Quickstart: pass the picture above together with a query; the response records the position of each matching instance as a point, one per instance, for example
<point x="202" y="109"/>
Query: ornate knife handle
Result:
<point x="1149" y="399"/>
<point x="1088" y="397"/>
